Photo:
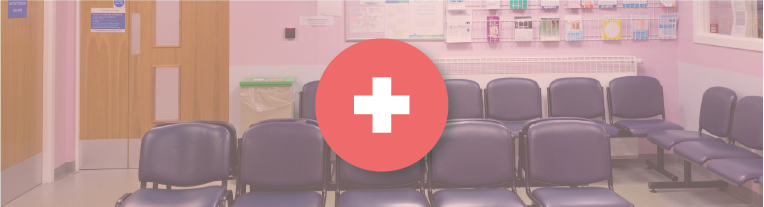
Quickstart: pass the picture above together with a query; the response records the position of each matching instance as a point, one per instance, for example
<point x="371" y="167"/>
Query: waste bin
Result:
<point x="265" y="98"/>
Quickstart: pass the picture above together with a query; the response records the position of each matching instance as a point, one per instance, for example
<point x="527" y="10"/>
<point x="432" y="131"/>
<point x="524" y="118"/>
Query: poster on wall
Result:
<point x="107" y="19"/>
<point x="426" y="19"/>
<point x="17" y="9"/>
<point x="366" y="19"/>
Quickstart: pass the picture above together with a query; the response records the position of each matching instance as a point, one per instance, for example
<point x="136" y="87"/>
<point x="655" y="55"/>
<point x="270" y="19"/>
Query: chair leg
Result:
<point x="660" y="167"/>
<point x="687" y="183"/>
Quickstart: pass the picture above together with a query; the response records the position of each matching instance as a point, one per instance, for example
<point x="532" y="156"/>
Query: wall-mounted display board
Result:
<point x="561" y="20"/>
<point x="394" y="19"/>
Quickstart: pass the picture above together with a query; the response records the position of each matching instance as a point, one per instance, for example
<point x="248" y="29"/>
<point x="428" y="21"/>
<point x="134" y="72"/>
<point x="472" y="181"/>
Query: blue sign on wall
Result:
<point x="107" y="20"/>
<point x="119" y="3"/>
<point x="17" y="9"/>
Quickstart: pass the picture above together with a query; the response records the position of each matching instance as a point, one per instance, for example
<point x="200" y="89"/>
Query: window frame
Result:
<point x="702" y="35"/>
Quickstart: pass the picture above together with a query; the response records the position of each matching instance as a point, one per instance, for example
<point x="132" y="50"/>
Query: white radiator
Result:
<point x="544" y="70"/>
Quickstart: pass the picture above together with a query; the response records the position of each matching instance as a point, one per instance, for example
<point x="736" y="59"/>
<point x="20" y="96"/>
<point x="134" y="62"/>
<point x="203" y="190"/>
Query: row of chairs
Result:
<point x="722" y="115"/>
<point x="514" y="101"/>
<point x="283" y="162"/>
<point x="634" y="100"/>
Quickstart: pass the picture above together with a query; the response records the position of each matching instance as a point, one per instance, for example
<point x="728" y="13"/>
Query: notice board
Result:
<point x="395" y="19"/>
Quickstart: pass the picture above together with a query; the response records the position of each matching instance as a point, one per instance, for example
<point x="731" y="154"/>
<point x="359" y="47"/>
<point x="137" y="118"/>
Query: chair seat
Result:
<point x="668" y="138"/>
<point x="700" y="152"/>
<point x="583" y="196"/>
<point x="611" y="131"/>
<point x="514" y="127"/>
<point x="383" y="198"/>
<point x="494" y="197"/>
<point x="640" y="128"/>
<point x="279" y="199"/>
<point x="736" y="171"/>
<point x="199" y="197"/>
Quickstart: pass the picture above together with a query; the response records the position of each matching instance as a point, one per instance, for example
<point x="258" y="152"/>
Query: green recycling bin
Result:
<point x="265" y="98"/>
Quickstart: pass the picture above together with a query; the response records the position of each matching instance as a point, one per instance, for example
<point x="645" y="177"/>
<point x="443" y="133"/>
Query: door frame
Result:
<point x="48" y="91"/>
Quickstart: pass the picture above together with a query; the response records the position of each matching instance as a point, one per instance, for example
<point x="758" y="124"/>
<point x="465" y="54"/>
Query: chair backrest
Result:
<point x="473" y="154"/>
<point x="513" y="99"/>
<point x="567" y="152"/>
<point x="231" y="129"/>
<point x="283" y="155"/>
<point x="298" y="120"/>
<point x="636" y="97"/>
<point x="357" y="177"/>
<point x="185" y="154"/>
<point x="576" y="97"/>
<point x="308" y="100"/>
<point x="465" y="99"/>
<point x="747" y="122"/>
<point x="716" y="110"/>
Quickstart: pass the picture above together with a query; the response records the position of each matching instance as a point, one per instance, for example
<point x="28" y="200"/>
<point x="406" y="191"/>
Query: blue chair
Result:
<point x="308" y="100"/>
<point x="282" y="162"/>
<point x="228" y="126"/>
<point x="715" y="116"/>
<point x="513" y="101"/>
<point x="465" y="99"/>
<point x="379" y="189"/>
<point x="578" y="97"/>
<point x="746" y="129"/>
<point x="473" y="154"/>
<point x="183" y="155"/>
<point x="640" y="98"/>
<point x="569" y="153"/>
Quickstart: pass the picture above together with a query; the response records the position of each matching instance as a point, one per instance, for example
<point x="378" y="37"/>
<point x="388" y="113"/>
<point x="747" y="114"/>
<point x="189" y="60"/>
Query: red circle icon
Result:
<point x="381" y="105"/>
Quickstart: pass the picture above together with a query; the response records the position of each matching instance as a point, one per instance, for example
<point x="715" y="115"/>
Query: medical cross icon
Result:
<point x="381" y="105"/>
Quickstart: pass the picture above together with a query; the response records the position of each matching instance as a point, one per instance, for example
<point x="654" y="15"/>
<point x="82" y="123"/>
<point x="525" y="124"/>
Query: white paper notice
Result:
<point x="493" y="4"/>
<point x="396" y="20"/>
<point x="316" y="20"/>
<point x="456" y="5"/>
<point x="459" y="26"/>
<point x="366" y="19"/>
<point x="738" y="18"/>
<point x="425" y="19"/>
<point x="329" y="8"/>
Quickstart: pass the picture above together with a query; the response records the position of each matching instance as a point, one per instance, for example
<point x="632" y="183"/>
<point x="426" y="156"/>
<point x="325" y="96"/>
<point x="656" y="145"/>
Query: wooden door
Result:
<point x="22" y="49"/>
<point x="119" y="79"/>
<point x="201" y="57"/>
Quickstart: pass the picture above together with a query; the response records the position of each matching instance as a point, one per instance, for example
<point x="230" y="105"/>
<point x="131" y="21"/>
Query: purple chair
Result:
<point x="465" y="99"/>
<point x="308" y="100"/>
<point x="639" y="98"/>
<point x="746" y="129"/>
<point x="379" y="189"/>
<point x="231" y="129"/>
<point x="578" y="97"/>
<point x="282" y="163"/>
<point x="478" y="155"/>
<point x="183" y="155"/>
<point x="715" y="116"/>
<point x="569" y="153"/>
<point x="513" y="101"/>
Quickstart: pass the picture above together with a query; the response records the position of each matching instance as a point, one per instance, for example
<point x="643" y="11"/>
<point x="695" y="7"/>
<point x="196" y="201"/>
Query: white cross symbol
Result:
<point x="381" y="105"/>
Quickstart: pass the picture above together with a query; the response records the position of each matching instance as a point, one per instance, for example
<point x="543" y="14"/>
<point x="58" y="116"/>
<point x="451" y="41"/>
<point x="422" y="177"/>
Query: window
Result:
<point x="729" y="23"/>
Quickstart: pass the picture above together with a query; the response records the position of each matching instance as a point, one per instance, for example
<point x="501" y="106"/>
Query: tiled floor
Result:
<point x="103" y="187"/>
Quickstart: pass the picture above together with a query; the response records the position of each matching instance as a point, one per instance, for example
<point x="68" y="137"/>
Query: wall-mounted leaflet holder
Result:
<point x="135" y="47"/>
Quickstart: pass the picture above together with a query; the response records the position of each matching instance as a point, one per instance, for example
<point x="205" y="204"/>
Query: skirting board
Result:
<point x="103" y="153"/>
<point x="62" y="171"/>
<point x="20" y="178"/>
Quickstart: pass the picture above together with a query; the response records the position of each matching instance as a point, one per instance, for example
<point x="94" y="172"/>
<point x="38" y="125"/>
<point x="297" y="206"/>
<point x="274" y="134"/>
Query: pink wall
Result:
<point x="734" y="60"/>
<point x="65" y="80"/>
<point x="257" y="40"/>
